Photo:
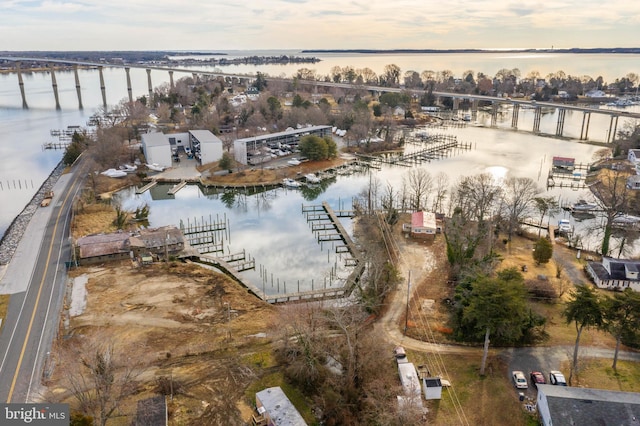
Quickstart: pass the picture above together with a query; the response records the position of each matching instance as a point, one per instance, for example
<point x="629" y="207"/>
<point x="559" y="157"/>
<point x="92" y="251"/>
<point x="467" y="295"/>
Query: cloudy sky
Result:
<point x="307" y="24"/>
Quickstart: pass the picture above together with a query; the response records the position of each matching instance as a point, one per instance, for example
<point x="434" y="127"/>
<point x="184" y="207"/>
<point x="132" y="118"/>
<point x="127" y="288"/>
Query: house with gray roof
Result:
<point x="275" y="409"/>
<point x="571" y="406"/>
<point x="615" y="274"/>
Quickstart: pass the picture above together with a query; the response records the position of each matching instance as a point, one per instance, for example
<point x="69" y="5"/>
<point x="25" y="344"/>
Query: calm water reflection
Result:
<point x="272" y="228"/>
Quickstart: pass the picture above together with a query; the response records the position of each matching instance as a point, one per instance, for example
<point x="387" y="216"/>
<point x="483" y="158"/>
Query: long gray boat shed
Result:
<point x="245" y="147"/>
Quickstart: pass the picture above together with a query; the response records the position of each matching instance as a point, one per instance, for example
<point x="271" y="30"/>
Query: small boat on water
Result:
<point x="625" y="220"/>
<point x="155" y="167"/>
<point x="291" y="183"/>
<point x="113" y="173"/>
<point x="312" y="178"/>
<point x="583" y="206"/>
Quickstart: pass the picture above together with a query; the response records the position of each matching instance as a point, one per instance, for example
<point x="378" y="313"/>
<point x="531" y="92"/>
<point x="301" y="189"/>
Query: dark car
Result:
<point x="537" y="378"/>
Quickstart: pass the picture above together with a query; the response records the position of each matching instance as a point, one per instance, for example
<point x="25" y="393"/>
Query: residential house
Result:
<point x="275" y="409"/>
<point x="423" y="225"/>
<point x="633" y="182"/>
<point x="615" y="274"/>
<point x="100" y="248"/>
<point x="633" y="155"/>
<point x="164" y="241"/>
<point x="570" y="406"/>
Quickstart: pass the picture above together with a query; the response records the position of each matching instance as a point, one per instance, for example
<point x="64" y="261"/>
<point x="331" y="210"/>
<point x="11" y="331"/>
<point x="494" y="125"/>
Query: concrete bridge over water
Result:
<point x="475" y="100"/>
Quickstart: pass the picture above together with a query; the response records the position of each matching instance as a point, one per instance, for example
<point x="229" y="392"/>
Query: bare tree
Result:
<point x="518" y="197"/>
<point x="419" y="183"/>
<point x="102" y="380"/>
<point x="440" y="191"/>
<point x="613" y="198"/>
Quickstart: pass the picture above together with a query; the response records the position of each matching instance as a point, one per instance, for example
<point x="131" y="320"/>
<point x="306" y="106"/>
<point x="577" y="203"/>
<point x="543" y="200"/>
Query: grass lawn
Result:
<point x="597" y="373"/>
<point x="488" y="400"/>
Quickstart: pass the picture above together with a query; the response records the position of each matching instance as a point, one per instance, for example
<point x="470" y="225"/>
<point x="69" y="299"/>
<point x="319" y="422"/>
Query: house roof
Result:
<point x="154" y="139"/>
<point x="205" y="136"/>
<point x="423" y="220"/>
<point x="281" y="411"/>
<point x="157" y="237"/>
<point x="582" y="406"/>
<point x="300" y="131"/>
<point x="103" y="244"/>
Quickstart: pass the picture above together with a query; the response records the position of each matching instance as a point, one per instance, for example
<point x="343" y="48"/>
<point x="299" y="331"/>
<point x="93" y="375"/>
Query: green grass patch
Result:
<point x="485" y="400"/>
<point x="598" y="374"/>
<point x="4" y="307"/>
<point x="263" y="359"/>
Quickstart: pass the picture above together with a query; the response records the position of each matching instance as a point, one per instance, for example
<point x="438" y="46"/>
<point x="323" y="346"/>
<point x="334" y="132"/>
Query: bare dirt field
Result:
<point x="180" y="323"/>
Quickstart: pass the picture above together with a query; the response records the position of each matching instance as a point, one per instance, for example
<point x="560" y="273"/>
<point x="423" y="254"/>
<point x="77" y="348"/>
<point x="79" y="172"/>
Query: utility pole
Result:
<point x="406" y="315"/>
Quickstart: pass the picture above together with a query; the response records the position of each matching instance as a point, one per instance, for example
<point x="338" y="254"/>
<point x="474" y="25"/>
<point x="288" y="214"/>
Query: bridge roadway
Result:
<point x="456" y="97"/>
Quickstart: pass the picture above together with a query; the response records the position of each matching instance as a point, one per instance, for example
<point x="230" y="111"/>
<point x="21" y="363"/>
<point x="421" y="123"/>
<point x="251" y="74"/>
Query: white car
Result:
<point x="557" y="378"/>
<point x="519" y="380"/>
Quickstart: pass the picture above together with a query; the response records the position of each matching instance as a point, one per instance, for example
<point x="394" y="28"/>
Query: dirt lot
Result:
<point x="182" y="322"/>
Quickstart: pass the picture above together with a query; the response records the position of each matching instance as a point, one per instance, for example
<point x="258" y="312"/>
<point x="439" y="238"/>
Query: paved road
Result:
<point x="35" y="278"/>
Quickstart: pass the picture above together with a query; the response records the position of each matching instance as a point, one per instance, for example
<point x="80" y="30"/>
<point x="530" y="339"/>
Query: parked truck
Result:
<point x="48" y="196"/>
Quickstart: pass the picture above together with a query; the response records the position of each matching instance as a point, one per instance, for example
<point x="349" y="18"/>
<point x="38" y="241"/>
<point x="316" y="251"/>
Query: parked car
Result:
<point x="537" y="378"/>
<point x="519" y="380"/>
<point x="557" y="378"/>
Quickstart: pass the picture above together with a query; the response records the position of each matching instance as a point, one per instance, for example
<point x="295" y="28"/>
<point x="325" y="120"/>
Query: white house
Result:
<point x="615" y="274"/>
<point x="634" y="156"/>
<point x="571" y="406"/>
<point x="276" y="409"/>
<point x="633" y="182"/>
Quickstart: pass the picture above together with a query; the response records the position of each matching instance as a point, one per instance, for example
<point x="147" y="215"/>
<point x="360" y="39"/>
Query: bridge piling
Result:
<point x="560" y="125"/>
<point x="54" y="84"/>
<point x="21" y="85"/>
<point x="126" y="70"/>
<point x="514" y="116"/>
<point x="78" y="89"/>
<point x="584" y="131"/>
<point x="150" y="102"/>
<point x="171" y="80"/>
<point x="102" y="88"/>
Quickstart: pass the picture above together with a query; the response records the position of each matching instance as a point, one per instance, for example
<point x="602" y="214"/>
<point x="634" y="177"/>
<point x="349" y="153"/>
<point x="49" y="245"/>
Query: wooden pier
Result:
<point x="177" y="187"/>
<point x="146" y="187"/>
<point x="206" y="236"/>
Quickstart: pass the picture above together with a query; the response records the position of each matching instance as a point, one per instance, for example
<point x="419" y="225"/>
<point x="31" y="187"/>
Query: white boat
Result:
<point x="128" y="168"/>
<point x="291" y="183"/>
<point x="583" y="206"/>
<point x="155" y="167"/>
<point x="564" y="226"/>
<point x="625" y="220"/>
<point x="114" y="173"/>
<point x="311" y="178"/>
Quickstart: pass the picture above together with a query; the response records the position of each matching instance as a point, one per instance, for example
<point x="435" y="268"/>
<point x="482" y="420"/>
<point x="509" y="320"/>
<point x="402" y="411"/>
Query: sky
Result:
<point x="214" y="25"/>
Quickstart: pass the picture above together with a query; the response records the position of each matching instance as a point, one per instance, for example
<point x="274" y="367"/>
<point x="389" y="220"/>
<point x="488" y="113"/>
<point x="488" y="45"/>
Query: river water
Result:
<point x="271" y="226"/>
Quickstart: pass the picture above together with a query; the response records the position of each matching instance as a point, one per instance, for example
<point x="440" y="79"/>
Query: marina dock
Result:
<point x="146" y="187"/>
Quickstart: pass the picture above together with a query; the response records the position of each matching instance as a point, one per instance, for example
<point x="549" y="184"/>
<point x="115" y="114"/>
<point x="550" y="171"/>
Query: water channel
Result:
<point x="270" y="226"/>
